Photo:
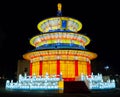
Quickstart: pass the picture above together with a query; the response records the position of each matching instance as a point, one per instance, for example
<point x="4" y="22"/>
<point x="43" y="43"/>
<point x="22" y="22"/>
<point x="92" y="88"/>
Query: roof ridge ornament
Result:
<point x="59" y="12"/>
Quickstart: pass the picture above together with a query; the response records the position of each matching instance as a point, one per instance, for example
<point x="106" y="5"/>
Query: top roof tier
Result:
<point x="59" y="23"/>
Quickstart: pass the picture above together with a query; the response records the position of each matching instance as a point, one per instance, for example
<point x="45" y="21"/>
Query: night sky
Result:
<point x="18" y="23"/>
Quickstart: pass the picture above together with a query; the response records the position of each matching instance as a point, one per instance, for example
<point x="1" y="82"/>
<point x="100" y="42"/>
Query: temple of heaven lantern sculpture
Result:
<point x="60" y="60"/>
<point x="60" y="49"/>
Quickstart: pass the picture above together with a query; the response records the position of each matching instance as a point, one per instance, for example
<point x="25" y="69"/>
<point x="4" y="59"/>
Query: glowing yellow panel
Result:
<point x="67" y="68"/>
<point x="71" y="69"/>
<point x="85" y="68"/>
<point x="61" y="84"/>
<point x="53" y="67"/>
<point x="63" y="69"/>
<point x="45" y="68"/>
<point x="82" y="68"/>
<point x="35" y="68"/>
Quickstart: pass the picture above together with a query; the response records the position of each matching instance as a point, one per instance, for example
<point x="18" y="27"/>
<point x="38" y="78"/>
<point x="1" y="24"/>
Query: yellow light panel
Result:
<point x="45" y="68"/>
<point x="53" y="67"/>
<point x="82" y="68"/>
<point x="35" y="68"/>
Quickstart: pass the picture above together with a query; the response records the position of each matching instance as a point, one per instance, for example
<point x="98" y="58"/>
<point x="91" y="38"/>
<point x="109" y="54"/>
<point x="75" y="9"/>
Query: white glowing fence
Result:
<point x="96" y="82"/>
<point x="55" y="82"/>
<point x="36" y="83"/>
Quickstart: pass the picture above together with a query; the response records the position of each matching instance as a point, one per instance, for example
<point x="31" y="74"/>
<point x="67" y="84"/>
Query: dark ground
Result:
<point x="110" y="93"/>
<point x="105" y="93"/>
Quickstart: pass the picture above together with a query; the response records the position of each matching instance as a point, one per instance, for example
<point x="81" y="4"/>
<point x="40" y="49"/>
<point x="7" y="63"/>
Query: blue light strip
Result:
<point x="60" y="46"/>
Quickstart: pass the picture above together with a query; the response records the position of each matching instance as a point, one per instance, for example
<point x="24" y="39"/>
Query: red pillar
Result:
<point x="88" y="68"/>
<point x="30" y="69"/>
<point x="40" y="70"/>
<point x="76" y="68"/>
<point x="58" y="67"/>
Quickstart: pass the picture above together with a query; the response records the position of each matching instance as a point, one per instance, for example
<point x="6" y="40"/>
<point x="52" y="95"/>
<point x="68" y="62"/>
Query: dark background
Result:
<point x="100" y="19"/>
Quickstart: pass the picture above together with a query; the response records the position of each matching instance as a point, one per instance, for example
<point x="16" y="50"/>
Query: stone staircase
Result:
<point x="75" y="87"/>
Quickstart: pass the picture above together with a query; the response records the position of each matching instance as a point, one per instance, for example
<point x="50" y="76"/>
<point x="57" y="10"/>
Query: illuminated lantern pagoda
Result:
<point x="60" y="48"/>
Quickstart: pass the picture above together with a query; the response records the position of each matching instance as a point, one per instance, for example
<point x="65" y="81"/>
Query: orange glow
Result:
<point x="67" y="68"/>
<point x="64" y="55"/>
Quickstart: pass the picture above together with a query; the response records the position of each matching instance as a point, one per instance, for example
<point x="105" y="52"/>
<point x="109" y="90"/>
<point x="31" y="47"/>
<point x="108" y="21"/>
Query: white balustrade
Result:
<point x="34" y="82"/>
<point x="96" y="82"/>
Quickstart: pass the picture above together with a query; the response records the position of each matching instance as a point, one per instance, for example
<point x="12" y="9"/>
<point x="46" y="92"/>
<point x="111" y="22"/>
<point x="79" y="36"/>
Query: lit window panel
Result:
<point x="63" y="69"/>
<point x="53" y="68"/>
<point x="85" y="68"/>
<point x="45" y="68"/>
<point x="35" y="68"/>
<point x="71" y="69"/>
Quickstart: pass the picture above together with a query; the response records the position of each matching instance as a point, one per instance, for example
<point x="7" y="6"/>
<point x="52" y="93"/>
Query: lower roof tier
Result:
<point x="59" y="37"/>
<point x="60" y="54"/>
